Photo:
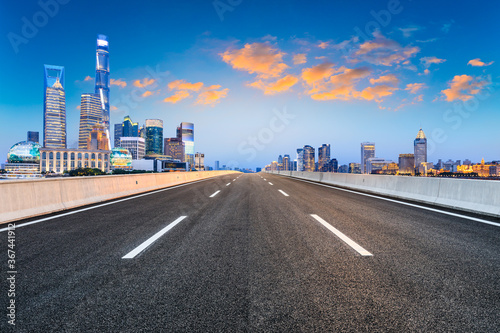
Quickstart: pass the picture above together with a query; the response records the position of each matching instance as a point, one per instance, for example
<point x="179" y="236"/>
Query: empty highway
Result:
<point x="254" y="253"/>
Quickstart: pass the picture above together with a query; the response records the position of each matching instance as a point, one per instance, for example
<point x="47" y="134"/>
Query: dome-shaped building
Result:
<point x="23" y="160"/>
<point x="120" y="158"/>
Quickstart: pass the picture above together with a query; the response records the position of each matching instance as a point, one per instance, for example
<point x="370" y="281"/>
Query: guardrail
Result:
<point x="476" y="196"/>
<point x="26" y="198"/>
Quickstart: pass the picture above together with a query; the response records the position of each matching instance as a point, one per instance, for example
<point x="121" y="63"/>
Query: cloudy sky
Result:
<point x="263" y="78"/>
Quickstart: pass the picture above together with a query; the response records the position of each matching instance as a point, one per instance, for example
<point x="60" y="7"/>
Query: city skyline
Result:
<point x="322" y="81"/>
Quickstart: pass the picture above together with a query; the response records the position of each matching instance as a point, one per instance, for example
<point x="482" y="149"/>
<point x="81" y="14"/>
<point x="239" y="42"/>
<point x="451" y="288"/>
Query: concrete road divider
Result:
<point x="26" y="198"/>
<point x="470" y="195"/>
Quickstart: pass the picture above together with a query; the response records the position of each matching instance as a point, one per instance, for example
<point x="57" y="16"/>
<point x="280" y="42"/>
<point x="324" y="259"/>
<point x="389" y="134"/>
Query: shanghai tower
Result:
<point x="102" y="77"/>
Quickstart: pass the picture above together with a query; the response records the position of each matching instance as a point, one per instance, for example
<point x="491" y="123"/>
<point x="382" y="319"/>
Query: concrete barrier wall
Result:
<point x="477" y="196"/>
<point x="26" y="198"/>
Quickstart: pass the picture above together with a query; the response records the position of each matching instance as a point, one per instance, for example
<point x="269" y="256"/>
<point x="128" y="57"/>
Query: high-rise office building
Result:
<point x="130" y="128"/>
<point x="118" y="134"/>
<point x="216" y="167"/>
<point x="286" y="163"/>
<point x="98" y="138"/>
<point x="33" y="136"/>
<point x="135" y="145"/>
<point x="154" y="136"/>
<point x="186" y="132"/>
<point x="354" y="168"/>
<point x="300" y="159"/>
<point x="126" y="129"/>
<point x="406" y="164"/>
<point x="90" y="115"/>
<point x="174" y="147"/>
<point x="309" y="158"/>
<point x="54" y="108"/>
<point x="199" y="161"/>
<point x="323" y="157"/>
<point x="333" y="165"/>
<point x="420" y="148"/>
<point x="102" y="77"/>
<point x="367" y="151"/>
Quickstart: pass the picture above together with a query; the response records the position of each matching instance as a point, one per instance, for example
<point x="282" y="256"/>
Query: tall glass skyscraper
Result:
<point x="367" y="151"/>
<point x="90" y="115"/>
<point x="102" y="77"/>
<point x="54" y="107"/>
<point x="154" y="136"/>
<point x="420" y="148"/>
<point x="323" y="157"/>
<point x="300" y="159"/>
<point x="309" y="159"/>
<point x="186" y="132"/>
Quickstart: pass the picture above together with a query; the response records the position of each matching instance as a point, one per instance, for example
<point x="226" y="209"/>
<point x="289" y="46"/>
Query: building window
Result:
<point x="72" y="156"/>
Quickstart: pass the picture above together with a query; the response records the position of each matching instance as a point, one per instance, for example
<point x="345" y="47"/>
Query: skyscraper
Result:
<point x="323" y="157"/>
<point x="154" y="136"/>
<point x="420" y="148"/>
<point x="130" y="128"/>
<point x="54" y="108"/>
<point x="174" y="147"/>
<point x="33" y="136"/>
<point x="309" y="159"/>
<point x="135" y="145"/>
<point x="102" y="77"/>
<point x="98" y="138"/>
<point x="407" y="164"/>
<point x="186" y="132"/>
<point x="118" y="134"/>
<point x="90" y="115"/>
<point x="300" y="159"/>
<point x="367" y="151"/>
<point x="286" y="163"/>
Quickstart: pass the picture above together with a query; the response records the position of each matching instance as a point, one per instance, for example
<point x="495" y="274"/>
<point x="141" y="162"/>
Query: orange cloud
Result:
<point x="147" y="93"/>
<point x="427" y="61"/>
<point x="299" y="59"/>
<point x="323" y="45"/>
<point x="177" y="97"/>
<point x="88" y="78"/>
<point x="183" y="85"/>
<point x="317" y="73"/>
<point x="280" y="85"/>
<point x="377" y="92"/>
<point x="113" y="108"/>
<point x="384" y="51"/>
<point x="118" y="82"/>
<point x="342" y="92"/>
<point x="478" y="63"/>
<point x="390" y="79"/>
<point x="414" y="87"/>
<point x="259" y="58"/>
<point x="143" y="83"/>
<point x="211" y="97"/>
<point x="463" y="87"/>
<point x="350" y="75"/>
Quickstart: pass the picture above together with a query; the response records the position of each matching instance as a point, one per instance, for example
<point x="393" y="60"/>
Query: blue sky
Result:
<point x="261" y="78"/>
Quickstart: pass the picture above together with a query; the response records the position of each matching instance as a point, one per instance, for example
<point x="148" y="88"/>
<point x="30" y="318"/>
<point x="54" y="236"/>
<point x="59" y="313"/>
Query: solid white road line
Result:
<point x="340" y="235"/>
<point x="270" y="183"/>
<point x="286" y="195"/>
<point x="265" y="179"/>
<point x="152" y="239"/>
<point x="213" y="195"/>
<point x="228" y="184"/>
<point x="407" y="204"/>
<point x="101" y="205"/>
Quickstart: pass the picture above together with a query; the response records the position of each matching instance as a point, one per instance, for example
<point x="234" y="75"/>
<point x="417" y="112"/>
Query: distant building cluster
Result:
<point x="409" y="164"/>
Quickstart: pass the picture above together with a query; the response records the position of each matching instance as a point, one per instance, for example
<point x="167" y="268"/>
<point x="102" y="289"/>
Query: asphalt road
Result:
<point x="251" y="259"/>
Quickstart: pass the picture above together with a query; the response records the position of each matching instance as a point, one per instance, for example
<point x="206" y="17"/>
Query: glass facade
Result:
<point x="367" y="151"/>
<point x="420" y="148"/>
<point x="186" y="132"/>
<point x="24" y="152"/>
<point x="135" y="145"/>
<point x="102" y="78"/>
<point x="174" y="147"/>
<point x="154" y="136"/>
<point x="90" y="115"/>
<point x="33" y="136"/>
<point x="54" y="107"/>
<point x="309" y="159"/>
<point x="300" y="159"/>
<point x="323" y="157"/>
